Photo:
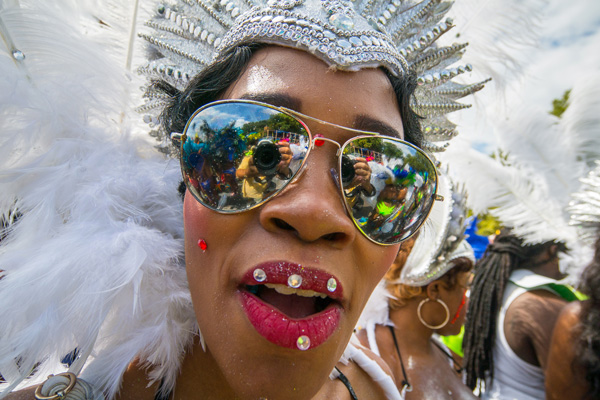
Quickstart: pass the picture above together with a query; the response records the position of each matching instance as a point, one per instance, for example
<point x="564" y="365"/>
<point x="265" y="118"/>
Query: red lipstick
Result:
<point x="269" y="311"/>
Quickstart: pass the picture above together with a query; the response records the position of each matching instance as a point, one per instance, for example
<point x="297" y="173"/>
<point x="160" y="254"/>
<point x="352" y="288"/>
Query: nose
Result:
<point x="311" y="208"/>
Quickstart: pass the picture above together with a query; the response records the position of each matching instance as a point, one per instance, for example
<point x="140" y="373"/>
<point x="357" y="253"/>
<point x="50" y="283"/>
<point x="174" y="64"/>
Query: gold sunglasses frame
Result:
<point x="181" y="137"/>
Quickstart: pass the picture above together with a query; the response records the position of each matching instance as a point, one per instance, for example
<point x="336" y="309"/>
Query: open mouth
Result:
<point x="297" y="314"/>
<point x="294" y="303"/>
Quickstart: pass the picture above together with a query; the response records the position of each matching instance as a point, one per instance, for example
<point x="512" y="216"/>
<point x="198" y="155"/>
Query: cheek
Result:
<point x="375" y="261"/>
<point x="196" y="222"/>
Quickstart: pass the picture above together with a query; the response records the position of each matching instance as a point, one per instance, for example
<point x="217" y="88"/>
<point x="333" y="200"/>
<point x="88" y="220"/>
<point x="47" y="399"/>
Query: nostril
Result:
<point x="282" y="224"/>
<point x="332" y="237"/>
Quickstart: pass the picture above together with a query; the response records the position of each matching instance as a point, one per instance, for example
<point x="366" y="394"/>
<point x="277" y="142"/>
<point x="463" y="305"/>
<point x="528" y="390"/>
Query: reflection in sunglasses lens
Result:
<point x="236" y="155"/>
<point x="266" y="157"/>
<point x="391" y="193"/>
<point x="347" y="170"/>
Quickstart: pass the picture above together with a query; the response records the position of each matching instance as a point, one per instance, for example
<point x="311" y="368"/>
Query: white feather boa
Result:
<point x="93" y="261"/>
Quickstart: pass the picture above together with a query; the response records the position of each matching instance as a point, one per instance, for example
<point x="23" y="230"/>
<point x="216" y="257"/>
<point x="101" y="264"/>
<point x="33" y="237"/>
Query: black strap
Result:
<point x="454" y="363"/>
<point x="346" y="383"/>
<point x="158" y="395"/>
<point x="341" y="377"/>
<point x="405" y="378"/>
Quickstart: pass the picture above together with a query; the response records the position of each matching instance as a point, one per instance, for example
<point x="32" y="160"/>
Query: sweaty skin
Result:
<point x="305" y="224"/>
<point x="565" y="377"/>
<point x="428" y="370"/>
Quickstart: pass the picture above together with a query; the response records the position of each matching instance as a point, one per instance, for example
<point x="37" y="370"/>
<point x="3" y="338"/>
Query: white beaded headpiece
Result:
<point x="399" y="35"/>
<point x="441" y="240"/>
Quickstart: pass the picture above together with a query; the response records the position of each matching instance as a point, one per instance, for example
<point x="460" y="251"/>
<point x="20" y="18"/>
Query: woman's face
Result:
<point x="251" y="330"/>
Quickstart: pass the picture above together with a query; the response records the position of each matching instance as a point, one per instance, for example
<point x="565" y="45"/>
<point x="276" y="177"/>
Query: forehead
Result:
<point x="321" y="92"/>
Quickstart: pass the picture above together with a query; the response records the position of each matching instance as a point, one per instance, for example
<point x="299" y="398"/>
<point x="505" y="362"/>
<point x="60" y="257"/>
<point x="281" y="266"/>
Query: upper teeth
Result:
<point x="282" y="289"/>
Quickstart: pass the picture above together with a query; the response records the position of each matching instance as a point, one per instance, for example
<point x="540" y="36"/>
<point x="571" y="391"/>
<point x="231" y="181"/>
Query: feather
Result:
<point x="581" y="121"/>
<point x="92" y="247"/>
<point x="514" y="194"/>
<point x="501" y="35"/>
<point x="376" y="310"/>
<point x="534" y="139"/>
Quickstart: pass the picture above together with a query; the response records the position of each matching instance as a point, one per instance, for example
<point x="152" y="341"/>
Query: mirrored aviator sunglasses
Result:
<point x="237" y="154"/>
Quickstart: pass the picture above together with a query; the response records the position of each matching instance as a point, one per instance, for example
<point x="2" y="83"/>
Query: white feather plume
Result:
<point x="585" y="207"/>
<point x="500" y="33"/>
<point x="92" y="259"/>
<point x="376" y="311"/>
<point x="580" y="123"/>
<point x="530" y="189"/>
<point x="515" y="194"/>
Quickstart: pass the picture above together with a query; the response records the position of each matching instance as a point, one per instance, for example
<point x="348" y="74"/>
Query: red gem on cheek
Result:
<point x="202" y="244"/>
<point x="319" y="143"/>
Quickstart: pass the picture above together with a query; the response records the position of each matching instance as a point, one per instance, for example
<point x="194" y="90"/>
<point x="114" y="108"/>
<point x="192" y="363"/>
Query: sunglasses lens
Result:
<point x="389" y="187"/>
<point x="236" y="155"/>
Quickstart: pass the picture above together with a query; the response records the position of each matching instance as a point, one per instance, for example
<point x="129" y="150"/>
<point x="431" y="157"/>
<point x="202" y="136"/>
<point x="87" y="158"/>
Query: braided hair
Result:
<point x="492" y="271"/>
<point x="588" y="346"/>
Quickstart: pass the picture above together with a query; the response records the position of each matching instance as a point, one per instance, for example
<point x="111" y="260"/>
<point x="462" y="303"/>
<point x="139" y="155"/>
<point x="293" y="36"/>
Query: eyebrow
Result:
<point x="275" y="99"/>
<point x="367" y="123"/>
<point x="361" y="122"/>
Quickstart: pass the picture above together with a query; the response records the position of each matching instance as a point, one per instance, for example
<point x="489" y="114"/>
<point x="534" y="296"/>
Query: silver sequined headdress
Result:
<point x="399" y="35"/>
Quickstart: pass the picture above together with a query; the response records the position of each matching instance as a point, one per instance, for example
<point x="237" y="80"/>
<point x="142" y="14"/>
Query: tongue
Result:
<point x="291" y="305"/>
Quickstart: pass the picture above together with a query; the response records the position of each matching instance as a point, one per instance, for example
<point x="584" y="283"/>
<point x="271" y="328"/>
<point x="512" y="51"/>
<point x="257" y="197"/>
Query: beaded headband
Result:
<point x="399" y="35"/>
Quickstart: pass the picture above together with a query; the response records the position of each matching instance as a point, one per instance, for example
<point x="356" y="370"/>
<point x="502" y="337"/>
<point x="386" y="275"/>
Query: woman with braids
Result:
<point x="574" y="360"/>
<point x="515" y="302"/>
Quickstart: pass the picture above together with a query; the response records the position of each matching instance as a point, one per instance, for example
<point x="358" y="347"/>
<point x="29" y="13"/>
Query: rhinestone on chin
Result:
<point x="259" y="275"/>
<point x="331" y="284"/>
<point x="303" y="342"/>
<point x="295" y="281"/>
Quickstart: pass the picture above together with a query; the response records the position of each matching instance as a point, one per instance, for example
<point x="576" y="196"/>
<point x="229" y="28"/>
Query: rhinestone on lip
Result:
<point x="259" y="275"/>
<point x="294" y="281"/>
<point x="331" y="284"/>
<point x="303" y="342"/>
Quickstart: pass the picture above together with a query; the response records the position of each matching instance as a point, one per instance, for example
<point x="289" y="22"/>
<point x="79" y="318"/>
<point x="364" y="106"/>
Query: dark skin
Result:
<point x="306" y="224"/>
<point x="531" y="317"/>
<point x="135" y="385"/>
<point x="427" y="368"/>
<point x="565" y="378"/>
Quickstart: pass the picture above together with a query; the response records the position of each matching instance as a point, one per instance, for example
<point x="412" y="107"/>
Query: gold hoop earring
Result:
<point x="425" y="323"/>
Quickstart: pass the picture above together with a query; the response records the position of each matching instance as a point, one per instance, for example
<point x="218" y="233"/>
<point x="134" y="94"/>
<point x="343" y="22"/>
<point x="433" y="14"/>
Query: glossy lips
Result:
<point x="279" y="328"/>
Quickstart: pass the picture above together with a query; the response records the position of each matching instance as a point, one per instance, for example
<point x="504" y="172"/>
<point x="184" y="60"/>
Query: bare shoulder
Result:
<point x="529" y="322"/>
<point x="136" y="385"/>
<point x="570" y="315"/>
<point x="535" y="307"/>
<point x="23" y="394"/>
<point x="565" y="377"/>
